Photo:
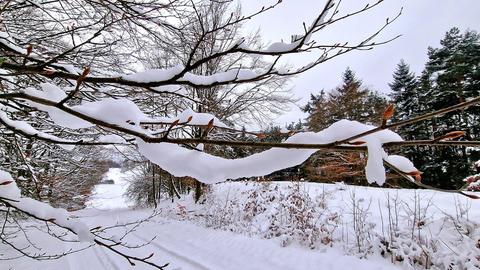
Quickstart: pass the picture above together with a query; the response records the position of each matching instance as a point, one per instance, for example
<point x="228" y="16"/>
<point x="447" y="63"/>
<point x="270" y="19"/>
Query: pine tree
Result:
<point x="404" y="92"/>
<point x="348" y="100"/>
<point x="454" y="68"/>
<point x="318" y="111"/>
<point x="451" y="75"/>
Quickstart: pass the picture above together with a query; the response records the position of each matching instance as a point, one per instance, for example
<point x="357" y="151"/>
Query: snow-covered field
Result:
<point x="233" y="229"/>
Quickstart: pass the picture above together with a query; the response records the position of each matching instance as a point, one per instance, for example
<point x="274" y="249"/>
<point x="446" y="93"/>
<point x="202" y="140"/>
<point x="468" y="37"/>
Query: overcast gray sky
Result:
<point x="422" y="24"/>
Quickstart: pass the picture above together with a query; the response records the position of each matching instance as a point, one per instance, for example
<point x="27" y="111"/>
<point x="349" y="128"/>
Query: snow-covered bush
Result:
<point x="408" y="230"/>
<point x="416" y="240"/>
<point x="473" y="182"/>
<point x="288" y="214"/>
<point x="361" y="226"/>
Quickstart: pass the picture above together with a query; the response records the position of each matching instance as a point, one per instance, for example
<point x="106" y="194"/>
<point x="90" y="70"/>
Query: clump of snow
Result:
<point x="8" y="191"/>
<point x="279" y="47"/>
<point x="402" y="163"/>
<point x="199" y="118"/>
<point x="230" y="75"/>
<point x="57" y="215"/>
<point x="122" y="112"/>
<point x="154" y="75"/>
<point x="375" y="171"/>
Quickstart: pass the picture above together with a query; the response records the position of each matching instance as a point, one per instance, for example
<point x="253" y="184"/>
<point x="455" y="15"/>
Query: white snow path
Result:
<point x="110" y="196"/>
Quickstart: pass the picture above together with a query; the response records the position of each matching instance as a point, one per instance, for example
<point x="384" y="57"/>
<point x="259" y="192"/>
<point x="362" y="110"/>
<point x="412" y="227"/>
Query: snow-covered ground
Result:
<point x="190" y="236"/>
<point x="110" y="196"/>
<point x="187" y="246"/>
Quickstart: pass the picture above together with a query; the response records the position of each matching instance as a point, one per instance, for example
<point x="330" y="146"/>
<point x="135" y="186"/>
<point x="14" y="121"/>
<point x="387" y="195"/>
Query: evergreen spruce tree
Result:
<point x="404" y="93"/>
<point x="451" y="75"/>
<point x="318" y="110"/>
<point x="454" y="68"/>
<point x="348" y="100"/>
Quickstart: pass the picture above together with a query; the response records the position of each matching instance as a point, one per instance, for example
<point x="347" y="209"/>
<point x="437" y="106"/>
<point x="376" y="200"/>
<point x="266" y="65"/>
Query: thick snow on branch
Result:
<point x="55" y="94"/>
<point x="26" y="128"/>
<point x="279" y="47"/>
<point x="7" y="41"/>
<point x="154" y="75"/>
<point x="10" y="193"/>
<point x="111" y="138"/>
<point x="227" y="76"/>
<point x="121" y="112"/>
<point x="401" y="163"/>
<point x="183" y="117"/>
<point x="180" y="161"/>
<point x="159" y="75"/>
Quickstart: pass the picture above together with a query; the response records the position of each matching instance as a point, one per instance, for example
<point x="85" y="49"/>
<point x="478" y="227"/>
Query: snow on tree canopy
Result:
<point x="207" y="168"/>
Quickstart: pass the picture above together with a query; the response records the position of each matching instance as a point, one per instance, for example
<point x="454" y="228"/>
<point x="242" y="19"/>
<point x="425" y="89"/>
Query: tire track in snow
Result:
<point x="174" y="253"/>
<point x="219" y="262"/>
<point x="96" y="251"/>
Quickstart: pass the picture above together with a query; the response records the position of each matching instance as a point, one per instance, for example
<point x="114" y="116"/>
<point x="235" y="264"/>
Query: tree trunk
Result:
<point x="154" y="197"/>
<point x="198" y="191"/>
